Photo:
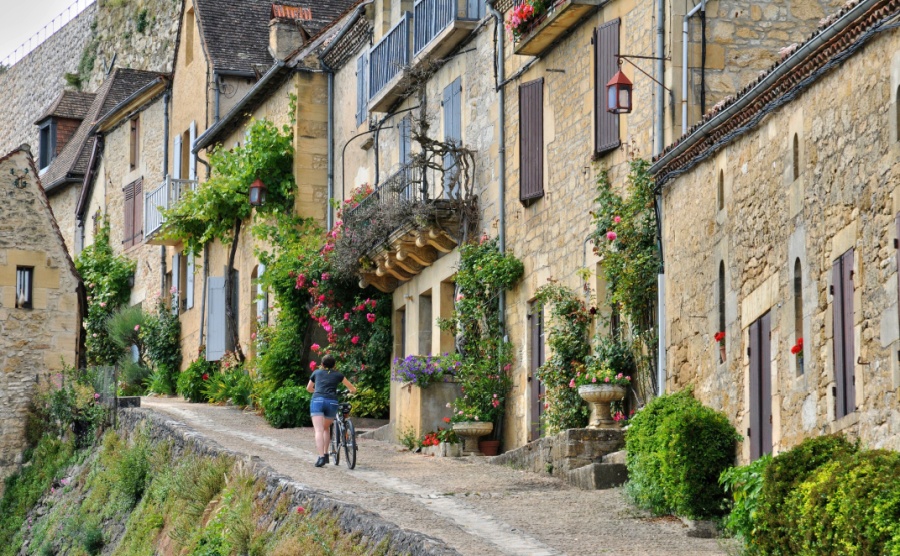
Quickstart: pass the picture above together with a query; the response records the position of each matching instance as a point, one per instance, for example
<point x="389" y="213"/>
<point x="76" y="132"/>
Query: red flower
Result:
<point x="205" y="376"/>
<point x="370" y="317"/>
<point x="719" y="336"/>
<point x="300" y="509"/>
<point x="796" y="349"/>
<point x="354" y="340"/>
<point x="800" y="342"/>
<point x="446" y="419"/>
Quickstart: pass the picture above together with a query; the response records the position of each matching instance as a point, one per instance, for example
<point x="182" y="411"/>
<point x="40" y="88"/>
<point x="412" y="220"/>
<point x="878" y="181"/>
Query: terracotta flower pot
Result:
<point x="489" y="447"/>
<point x="600" y="396"/>
<point x="470" y="432"/>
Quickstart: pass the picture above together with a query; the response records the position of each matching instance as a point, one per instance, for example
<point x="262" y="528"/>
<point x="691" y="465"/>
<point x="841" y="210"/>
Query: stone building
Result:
<point x="41" y="299"/>
<point x="786" y="238"/>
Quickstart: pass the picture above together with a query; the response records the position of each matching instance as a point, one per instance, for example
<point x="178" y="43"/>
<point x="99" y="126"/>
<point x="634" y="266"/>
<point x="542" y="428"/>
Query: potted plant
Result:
<point x="423" y="371"/>
<point x="599" y="385"/>
<point x="520" y="18"/>
<point x="797" y="350"/>
<point x="470" y="424"/>
<point x="720" y="339"/>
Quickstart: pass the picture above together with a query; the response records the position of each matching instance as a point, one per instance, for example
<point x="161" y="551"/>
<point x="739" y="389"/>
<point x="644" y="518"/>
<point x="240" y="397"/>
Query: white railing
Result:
<point x="389" y="55"/>
<point x="164" y="197"/>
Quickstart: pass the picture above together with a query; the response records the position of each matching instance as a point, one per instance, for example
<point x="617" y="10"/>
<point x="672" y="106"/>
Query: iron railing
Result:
<point x="409" y="184"/>
<point x="162" y="198"/>
<point x="389" y="55"/>
<point x="431" y="17"/>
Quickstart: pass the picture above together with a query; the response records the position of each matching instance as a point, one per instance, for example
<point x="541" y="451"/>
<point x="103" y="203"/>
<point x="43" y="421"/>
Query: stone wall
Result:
<point x="350" y="518"/>
<point x="569" y="450"/>
<point x="34" y="342"/>
<point x="847" y="196"/>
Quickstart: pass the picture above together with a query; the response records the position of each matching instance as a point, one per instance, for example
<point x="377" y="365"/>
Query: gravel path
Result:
<point x="474" y="507"/>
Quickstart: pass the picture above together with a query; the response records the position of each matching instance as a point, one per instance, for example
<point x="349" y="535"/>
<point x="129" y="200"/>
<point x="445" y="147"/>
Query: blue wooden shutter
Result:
<point x="606" y="125"/>
<point x="262" y="301"/>
<point x="189" y="281"/>
<point x="176" y="282"/>
<point x="192" y="159"/>
<point x="452" y="132"/>
<point x="128" y="228"/>
<point x="176" y="158"/>
<point x="215" y="318"/>
<point x="844" y="350"/>
<point x="405" y="140"/>
<point x="362" y="89"/>
<point x="531" y="140"/>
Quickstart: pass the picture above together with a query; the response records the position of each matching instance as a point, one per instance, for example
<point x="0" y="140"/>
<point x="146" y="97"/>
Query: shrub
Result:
<point x="192" y="381"/>
<point x="161" y="335"/>
<point x="234" y="386"/>
<point x="745" y="485"/>
<point x="676" y="454"/>
<point x="787" y="471"/>
<point x="372" y="401"/>
<point x="287" y="406"/>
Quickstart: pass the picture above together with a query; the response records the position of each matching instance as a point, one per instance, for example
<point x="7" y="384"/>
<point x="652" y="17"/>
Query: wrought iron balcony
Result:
<point x="440" y="25"/>
<point x="546" y="29"/>
<point x="387" y="59"/>
<point x="164" y="197"/>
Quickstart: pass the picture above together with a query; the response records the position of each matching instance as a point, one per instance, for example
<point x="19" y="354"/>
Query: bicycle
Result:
<point x="343" y="434"/>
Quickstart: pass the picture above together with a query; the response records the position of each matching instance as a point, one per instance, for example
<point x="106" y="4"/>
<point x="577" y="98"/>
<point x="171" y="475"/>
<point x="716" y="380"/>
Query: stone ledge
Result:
<point x="567" y="451"/>
<point x="350" y="518"/>
<point x="598" y="476"/>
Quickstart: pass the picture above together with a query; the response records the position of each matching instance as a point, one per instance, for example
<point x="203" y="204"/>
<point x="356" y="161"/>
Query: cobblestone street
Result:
<point x="473" y="507"/>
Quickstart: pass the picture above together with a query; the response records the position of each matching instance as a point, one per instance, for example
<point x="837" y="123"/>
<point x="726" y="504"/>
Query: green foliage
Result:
<point x="192" y="381"/>
<point x="106" y="276"/>
<point x="233" y="385"/>
<point x="142" y="20"/>
<point x="288" y="406"/>
<point x="848" y="506"/>
<point x="744" y="483"/>
<point x="775" y="529"/>
<point x="68" y="405"/>
<point x="409" y="438"/>
<point x="677" y="449"/>
<point x="210" y="212"/>
<point x="372" y="401"/>
<point x="624" y="237"/>
<point x="133" y="470"/>
<point x="161" y="338"/>
<point x="92" y="540"/>
<point x="124" y="327"/>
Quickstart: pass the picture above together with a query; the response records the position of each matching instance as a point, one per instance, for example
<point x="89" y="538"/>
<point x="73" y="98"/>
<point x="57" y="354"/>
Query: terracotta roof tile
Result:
<point x="72" y="105"/>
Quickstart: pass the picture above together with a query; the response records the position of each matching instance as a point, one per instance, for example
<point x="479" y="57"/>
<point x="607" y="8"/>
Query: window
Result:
<point x="798" y="310"/>
<point x="606" y="47"/>
<point x="452" y="134"/>
<point x="844" y="349"/>
<point x="215" y="318"/>
<point x="134" y="144"/>
<point x="24" y="287"/>
<point x="425" y="322"/>
<point x="191" y="159"/>
<point x="720" y="190"/>
<point x="186" y="153"/>
<point x="531" y="141"/>
<point x="362" y="88"/>
<point x="48" y="144"/>
<point x="405" y="141"/>
<point x="189" y="37"/>
<point x="796" y="157"/>
<point x="133" y="233"/>
<point x="721" y="296"/>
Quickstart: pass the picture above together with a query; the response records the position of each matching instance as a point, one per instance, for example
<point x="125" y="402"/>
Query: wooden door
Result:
<point x="844" y="348"/>
<point x="760" y="351"/>
<point x="536" y="331"/>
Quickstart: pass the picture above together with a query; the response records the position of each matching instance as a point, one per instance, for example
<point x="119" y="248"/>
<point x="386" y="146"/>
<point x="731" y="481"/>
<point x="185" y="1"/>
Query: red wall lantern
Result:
<point x="618" y="94"/>
<point x="258" y="193"/>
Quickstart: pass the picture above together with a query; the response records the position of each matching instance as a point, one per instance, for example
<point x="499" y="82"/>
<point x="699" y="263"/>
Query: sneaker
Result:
<point x="326" y="458"/>
<point x="321" y="461"/>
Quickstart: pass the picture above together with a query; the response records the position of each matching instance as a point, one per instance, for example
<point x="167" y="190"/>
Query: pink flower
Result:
<point x="322" y="297"/>
<point x="96" y="396"/>
<point x="371" y="302"/>
<point x="103" y="304"/>
<point x="594" y="379"/>
<point x="94" y="335"/>
<point x="173" y="290"/>
<point x="606" y="379"/>
<point x="327" y="327"/>
<point x="354" y="340"/>
<point x="370" y="317"/>
<point x="495" y="403"/>
<point x="137" y="327"/>
<point x="315" y="347"/>
<point x="611" y="236"/>
<point x="346" y="316"/>
<point x="301" y="279"/>
<point x="312" y="365"/>
<point x="253" y="336"/>
<point x="325" y="276"/>
<point x="460" y="297"/>
<point x="300" y="509"/>
<point x="572" y="383"/>
<point x="617" y="219"/>
<point x="495" y="395"/>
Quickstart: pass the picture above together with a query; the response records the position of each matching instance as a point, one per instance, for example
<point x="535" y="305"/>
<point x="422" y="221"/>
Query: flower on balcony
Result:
<point x="520" y="18"/>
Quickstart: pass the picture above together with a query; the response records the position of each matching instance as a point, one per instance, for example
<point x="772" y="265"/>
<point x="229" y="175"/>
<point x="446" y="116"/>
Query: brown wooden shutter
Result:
<point x="844" y="352"/>
<point x="128" y="230"/>
<point x="760" y="432"/>
<point x="531" y="140"/>
<point x="138" y="233"/>
<point x="753" y="432"/>
<point x="849" y="347"/>
<point x="535" y="322"/>
<point x="606" y="125"/>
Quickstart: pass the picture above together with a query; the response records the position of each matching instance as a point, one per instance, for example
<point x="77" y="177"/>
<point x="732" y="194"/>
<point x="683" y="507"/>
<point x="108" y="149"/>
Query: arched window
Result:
<point x="721" y="190"/>
<point x="796" y="157"/>
<point x="798" y="311"/>
<point x="721" y="296"/>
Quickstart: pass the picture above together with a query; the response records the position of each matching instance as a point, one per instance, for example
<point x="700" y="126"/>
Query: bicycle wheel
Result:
<point x="336" y="433"/>
<point x="350" y="444"/>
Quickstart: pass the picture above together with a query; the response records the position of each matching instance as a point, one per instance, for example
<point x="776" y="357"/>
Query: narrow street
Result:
<point x="473" y="507"/>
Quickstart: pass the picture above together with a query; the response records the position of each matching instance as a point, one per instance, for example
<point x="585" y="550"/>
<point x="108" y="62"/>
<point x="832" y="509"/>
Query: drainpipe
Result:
<point x="658" y="144"/>
<point x="684" y="63"/>
<point x="329" y="210"/>
<point x="501" y="178"/>
<point x="165" y="173"/>
<point x="218" y="94"/>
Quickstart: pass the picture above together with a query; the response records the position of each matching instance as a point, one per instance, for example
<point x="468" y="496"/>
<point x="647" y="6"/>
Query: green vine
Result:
<point x="624" y="237"/>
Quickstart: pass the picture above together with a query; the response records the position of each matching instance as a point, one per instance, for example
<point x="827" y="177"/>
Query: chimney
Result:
<point x="286" y="33"/>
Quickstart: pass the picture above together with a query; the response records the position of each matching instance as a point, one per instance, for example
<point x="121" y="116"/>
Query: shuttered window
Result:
<point x="176" y="158"/>
<point x="531" y="141"/>
<point x="192" y="159"/>
<point x="452" y="102"/>
<point x="760" y="352"/>
<point x="189" y="282"/>
<point x="215" y="318"/>
<point x="362" y="88"/>
<point x="133" y="232"/>
<point x="844" y="349"/>
<point x="176" y="283"/>
<point x="606" y="124"/>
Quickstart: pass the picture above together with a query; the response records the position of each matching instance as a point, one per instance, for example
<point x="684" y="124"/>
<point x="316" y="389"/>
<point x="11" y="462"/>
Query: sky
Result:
<point x="21" y="19"/>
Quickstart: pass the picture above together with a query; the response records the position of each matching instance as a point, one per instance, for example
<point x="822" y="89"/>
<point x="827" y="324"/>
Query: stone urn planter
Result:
<point x="600" y="396"/>
<point x="470" y="432"/>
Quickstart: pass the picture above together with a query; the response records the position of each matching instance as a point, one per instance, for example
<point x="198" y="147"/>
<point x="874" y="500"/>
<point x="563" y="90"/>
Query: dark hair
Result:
<point x="328" y="361"/>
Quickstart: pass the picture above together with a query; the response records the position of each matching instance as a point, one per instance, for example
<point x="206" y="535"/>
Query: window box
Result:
<point x="546" y="29"/>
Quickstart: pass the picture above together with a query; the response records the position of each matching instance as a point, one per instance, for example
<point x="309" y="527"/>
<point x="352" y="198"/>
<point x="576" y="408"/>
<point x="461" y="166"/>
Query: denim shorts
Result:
<point x="324" y="407"/>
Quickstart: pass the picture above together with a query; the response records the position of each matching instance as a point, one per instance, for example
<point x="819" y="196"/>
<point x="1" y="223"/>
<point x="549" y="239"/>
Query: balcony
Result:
<point x="408" y="222"/>
<point x="545" y="30"/>
<point x="164" y="197"/>
<point x="430" y="32"/>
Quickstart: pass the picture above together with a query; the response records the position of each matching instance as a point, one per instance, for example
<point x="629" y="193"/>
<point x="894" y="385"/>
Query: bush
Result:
<point x="234" y="386"/>
<point x="745" y="485"/>
<point x="287" y="407"/>
<point x="192" y="381"/>
<point x="677" y="448"/>
<point x="787" y="471"/>
<point x="161" y="335"/>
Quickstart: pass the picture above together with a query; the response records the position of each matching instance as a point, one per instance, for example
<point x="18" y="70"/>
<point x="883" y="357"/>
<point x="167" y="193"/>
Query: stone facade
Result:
<point x="37" y="341"/>
<point x="789" y="208"/>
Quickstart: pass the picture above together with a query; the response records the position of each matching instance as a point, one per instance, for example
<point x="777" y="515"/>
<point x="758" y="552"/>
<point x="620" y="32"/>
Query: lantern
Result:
<point x="618" y="94"/>
<point x="258" y="193"/>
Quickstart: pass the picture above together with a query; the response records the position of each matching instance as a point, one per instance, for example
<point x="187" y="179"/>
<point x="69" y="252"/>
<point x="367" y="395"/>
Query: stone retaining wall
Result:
<point x="351" y="518"/>
<point x="568" y="450"/>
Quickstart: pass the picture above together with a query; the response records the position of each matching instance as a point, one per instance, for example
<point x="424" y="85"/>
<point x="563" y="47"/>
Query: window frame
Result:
<point x="134" y="157"/>
<point x="26" y="273"/>
<point x="46" y="157"/>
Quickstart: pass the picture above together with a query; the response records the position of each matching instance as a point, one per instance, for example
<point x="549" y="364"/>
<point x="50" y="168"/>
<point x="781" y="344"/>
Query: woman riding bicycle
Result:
<point x="323" y="407"/>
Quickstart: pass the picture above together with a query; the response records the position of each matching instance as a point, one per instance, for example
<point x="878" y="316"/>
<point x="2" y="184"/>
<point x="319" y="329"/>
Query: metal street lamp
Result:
<point x="258" y="193"/>
<point x="618" y="93"/>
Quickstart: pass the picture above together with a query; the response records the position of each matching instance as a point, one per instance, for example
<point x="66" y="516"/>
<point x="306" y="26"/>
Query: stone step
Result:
<point x="598" y="476"/>
<point x="615" y="457"/>
<point x="569" y="450"/>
